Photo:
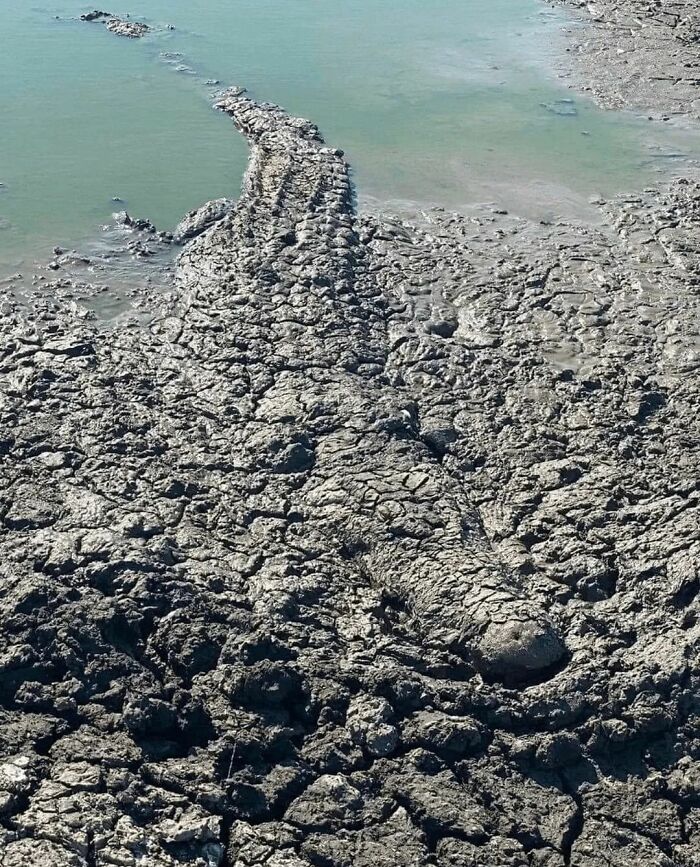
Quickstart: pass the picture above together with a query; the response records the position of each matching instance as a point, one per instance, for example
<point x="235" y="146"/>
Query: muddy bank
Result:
<point x="377" y="545"/>
<point x="638" y="54"/>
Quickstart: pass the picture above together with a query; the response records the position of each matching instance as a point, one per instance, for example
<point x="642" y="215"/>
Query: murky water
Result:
<point x="447" y="102"/>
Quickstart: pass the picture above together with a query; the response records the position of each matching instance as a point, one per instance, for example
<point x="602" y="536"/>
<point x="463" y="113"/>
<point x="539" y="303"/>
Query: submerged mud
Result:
<point x="377" y="544"/>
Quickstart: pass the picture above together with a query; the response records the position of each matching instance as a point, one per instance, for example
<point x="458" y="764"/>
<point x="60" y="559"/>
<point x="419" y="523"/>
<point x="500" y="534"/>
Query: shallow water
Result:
<point x="448" y="102"/>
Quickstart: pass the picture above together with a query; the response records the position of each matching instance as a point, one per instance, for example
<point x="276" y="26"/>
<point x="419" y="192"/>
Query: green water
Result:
<point x="434" y="101"/>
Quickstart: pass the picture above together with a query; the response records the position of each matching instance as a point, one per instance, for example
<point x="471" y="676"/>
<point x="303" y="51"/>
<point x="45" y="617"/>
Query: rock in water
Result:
<point x="96" y="15"/>
<point x="130" y="29"/>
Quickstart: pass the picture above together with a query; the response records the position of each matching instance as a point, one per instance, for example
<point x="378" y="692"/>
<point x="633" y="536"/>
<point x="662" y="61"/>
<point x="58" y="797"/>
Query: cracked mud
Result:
<point x="378" y="546"/>
<point x="640" y="53"/>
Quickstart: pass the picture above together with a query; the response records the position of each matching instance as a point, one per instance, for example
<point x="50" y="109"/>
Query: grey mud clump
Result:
<point x="119" y="26"/>
<point x="377" y="546"/>
<point x="130" y="29"/>
<point x="95" y="15"/>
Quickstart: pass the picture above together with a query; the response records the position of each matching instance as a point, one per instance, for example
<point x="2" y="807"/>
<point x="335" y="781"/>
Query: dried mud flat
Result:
<point x="379" y="546"/>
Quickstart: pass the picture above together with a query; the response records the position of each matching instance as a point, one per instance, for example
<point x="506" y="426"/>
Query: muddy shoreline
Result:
<point x="376" y="544"/>
<point x="637" y="54"/>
